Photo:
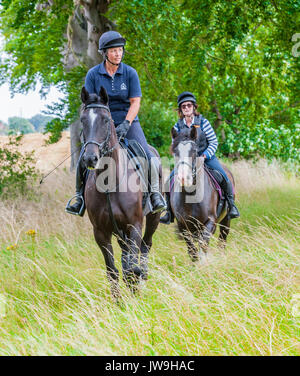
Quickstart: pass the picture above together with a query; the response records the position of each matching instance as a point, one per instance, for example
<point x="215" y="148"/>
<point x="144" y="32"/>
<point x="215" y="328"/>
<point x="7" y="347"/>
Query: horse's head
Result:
<point x="184" y="149"/>
<point x="98" y="132"/>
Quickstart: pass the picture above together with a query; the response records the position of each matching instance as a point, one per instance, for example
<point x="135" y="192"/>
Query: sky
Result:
<point x="23" y="105"/>
<point x="26" y="105"/>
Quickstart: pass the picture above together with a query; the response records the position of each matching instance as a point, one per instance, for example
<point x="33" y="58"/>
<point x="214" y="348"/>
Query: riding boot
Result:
<point x="157" y="201"/>
<point x="169" y="216"/>
<point x="78" y="208"/>
<point x="232" y="210"/>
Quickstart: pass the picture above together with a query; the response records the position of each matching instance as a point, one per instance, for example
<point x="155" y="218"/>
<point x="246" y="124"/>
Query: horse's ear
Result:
<point x="103" y="96"/>
<point x="174" y="133"/>
<point x="84" y="95"/>
<point x="193" y="133"/>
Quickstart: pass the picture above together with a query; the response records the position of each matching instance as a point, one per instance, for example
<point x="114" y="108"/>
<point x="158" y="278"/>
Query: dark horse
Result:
<point x="118" y="209"/>
<point x="193" y="198"/>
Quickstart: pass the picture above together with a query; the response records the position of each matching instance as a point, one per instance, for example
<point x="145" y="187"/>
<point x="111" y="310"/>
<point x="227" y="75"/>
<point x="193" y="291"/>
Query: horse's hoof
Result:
<point x="137" y="271"/>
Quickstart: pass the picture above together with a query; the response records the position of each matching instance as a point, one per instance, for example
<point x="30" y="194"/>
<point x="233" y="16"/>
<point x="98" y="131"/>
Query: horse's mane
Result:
<point x="183" y="135"/>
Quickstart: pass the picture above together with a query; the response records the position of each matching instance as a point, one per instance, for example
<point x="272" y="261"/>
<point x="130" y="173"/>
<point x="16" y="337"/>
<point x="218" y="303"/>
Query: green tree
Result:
<point x="40" y="121"/>
<point x="19" y="125"/>
<point x="235" y="56"/>
<point x="17" y="171"/>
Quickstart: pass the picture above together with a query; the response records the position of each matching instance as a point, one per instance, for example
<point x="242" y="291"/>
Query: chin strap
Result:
<point x="111" y="61"/>
<point x="106" y="58"/>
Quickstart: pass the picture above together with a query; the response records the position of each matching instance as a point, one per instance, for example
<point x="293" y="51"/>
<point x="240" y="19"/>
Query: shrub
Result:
<point x="261" y="141"/>
<point x="17" y="170"/>
<point x="157" y="120"/>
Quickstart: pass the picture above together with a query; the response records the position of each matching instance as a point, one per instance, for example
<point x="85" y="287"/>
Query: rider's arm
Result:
<point x="133" y="109"/>
<point x="211" y="139"/>
<point x="134" y="94"/>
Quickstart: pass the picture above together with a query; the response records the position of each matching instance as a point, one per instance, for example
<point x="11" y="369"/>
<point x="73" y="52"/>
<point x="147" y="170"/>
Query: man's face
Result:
<point x="187" y="108"/>
<point x="115" y="54"/>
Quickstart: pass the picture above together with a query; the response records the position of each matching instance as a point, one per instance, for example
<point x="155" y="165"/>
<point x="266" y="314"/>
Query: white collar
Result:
<point x="192" y="121"/>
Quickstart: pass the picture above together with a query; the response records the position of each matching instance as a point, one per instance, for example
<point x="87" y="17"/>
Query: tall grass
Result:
<point x="240" y="301"/>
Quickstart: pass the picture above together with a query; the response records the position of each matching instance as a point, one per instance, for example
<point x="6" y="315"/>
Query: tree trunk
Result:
<point x="89" y="20"/>
<point x="84" y="29"/>
<point x="75" y="139"/>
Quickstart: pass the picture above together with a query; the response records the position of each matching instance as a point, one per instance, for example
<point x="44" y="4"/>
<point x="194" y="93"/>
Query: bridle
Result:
<point x="103" y="146"/>
<point x="183" y="162"/>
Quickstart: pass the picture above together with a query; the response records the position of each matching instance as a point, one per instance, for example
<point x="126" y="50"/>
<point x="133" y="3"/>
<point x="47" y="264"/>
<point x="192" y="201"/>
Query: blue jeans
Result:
<point x="135" y="132"/>
<point x="216" y="165"/>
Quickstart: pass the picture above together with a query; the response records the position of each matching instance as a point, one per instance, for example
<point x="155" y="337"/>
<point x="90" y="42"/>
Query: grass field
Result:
<point x="55" y="298"/>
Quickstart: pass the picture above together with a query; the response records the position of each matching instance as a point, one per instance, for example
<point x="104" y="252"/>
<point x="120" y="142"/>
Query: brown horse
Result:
<point x="193" y="199"/>
<point x="118" y="208"/>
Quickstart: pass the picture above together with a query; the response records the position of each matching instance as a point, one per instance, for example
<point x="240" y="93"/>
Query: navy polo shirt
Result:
<point x="120" y="87"/>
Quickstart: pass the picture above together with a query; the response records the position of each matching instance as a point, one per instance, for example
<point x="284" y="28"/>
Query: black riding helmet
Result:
<point x="111" y="39"/>
<point x="186" y="96"/>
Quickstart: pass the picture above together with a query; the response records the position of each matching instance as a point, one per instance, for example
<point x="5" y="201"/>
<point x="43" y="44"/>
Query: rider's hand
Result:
<point x="122" y="129"/>
<point x="204" y="156"/>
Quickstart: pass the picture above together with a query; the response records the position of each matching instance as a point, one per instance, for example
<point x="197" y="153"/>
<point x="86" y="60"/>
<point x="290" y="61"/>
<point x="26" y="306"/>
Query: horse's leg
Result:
<point x="224" y="231"/>
<point x="130" y="256"/>
<point x="208" y="229"/>
<point x="104" y="242"/>
<point x="188" y="237"/>
<point x="152" y="221"/>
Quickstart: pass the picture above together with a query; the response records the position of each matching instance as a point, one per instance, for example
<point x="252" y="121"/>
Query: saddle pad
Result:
<point x="216" y="178"/>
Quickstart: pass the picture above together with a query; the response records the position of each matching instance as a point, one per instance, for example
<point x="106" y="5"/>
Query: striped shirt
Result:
<point x="209" y="133"/>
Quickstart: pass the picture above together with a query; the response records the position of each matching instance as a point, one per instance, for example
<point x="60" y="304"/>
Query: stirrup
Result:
<point x="81" y="210"/>
<point x="160" y="209"/>
<point x="237" y="215"/>
<point x="164" y="220"/>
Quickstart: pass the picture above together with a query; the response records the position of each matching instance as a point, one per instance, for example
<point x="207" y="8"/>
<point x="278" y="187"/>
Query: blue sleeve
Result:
<point x="134" y="84"/>
<point x="90" y="83"/>
<point x="176" y="127"/>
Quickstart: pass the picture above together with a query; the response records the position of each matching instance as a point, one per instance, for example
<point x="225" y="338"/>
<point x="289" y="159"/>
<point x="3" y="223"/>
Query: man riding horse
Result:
<point x="188" y="117"/>
<point x="123" y="88"/>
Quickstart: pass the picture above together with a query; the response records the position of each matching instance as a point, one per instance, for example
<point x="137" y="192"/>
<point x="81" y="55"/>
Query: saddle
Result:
<point x="135" y="153"/>
<point x="217" y="179"/>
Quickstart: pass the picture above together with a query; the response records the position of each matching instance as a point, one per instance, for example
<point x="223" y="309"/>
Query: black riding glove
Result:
<point x="122" y="129"/>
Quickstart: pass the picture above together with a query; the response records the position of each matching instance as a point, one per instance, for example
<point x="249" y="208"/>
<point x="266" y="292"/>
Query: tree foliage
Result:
<point x="235" y="56"/>
<point x="19" y="125"/>
<point x="40" y="121"/>
<point x="17" y="170"/>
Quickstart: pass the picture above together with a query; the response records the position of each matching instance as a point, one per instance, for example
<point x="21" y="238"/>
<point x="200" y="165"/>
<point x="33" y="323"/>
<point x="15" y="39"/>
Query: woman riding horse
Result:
<point x="123" y="88"/>
<point x="188" y="117"/>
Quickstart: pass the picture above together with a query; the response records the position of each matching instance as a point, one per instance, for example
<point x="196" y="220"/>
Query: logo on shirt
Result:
<point x="123" y="86"/>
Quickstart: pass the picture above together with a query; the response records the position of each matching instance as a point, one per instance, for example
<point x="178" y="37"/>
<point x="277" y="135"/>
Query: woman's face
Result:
<point x="187" y="108"/>
<point x="115" y="54"/>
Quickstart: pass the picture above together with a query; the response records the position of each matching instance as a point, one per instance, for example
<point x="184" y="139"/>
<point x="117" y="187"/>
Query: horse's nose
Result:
<point x="90" y="160"/>
<point x="185" y="180"/>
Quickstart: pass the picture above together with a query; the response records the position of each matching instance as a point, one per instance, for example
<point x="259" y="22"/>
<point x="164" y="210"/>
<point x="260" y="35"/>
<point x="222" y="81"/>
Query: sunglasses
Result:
<point x="188" y="105"/>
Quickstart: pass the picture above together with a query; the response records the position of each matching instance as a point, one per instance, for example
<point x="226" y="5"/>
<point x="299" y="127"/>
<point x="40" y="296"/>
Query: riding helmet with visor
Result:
<point x="186" y="96"/>
<point x="111" y="39"/>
